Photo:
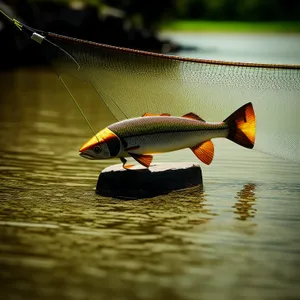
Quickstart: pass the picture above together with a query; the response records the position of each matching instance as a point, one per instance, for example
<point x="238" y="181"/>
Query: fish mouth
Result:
<point x="85" y="155"/>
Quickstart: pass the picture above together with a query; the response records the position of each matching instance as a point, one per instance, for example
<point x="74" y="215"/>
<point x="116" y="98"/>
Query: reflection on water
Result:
<point x="61" y="240"/>
<point x="245" y="201"/>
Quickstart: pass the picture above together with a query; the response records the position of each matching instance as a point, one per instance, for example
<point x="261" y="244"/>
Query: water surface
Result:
<point x="236" y="237"/>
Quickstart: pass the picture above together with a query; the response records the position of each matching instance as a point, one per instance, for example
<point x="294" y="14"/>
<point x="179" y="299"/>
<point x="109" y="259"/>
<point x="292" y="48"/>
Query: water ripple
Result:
<point x="235" y="237"/>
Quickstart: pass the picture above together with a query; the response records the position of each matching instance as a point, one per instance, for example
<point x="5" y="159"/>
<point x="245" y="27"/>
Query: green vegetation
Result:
<point x="189" y="15"/>
<point x="279" y="15"/>
<point x="233" y="26"/>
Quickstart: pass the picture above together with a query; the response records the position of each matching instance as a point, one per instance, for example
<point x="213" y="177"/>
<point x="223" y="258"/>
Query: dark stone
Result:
<point x="140" y="182"/>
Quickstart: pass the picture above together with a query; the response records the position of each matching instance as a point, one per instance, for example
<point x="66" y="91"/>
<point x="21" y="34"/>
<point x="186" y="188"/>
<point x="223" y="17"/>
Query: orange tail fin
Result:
<point x="242" y="126"/>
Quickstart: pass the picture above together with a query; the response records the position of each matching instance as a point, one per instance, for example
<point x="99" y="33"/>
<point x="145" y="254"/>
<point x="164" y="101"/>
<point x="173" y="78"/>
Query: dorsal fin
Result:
<point x="155" y="115"/>
<point x="144" y="160"/>
<point x="204" y="151"/>
<point x="193" y="116"/>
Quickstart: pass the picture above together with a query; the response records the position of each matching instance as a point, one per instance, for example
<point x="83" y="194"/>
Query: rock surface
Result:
<point x="139" y="182"/>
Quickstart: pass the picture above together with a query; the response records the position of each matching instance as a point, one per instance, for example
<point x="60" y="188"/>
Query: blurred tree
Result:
<point x="150" y="14"/>
<point x="247" y="10"/>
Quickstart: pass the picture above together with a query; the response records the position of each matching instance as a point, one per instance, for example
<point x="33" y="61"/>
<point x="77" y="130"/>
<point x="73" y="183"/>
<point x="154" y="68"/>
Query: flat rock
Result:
<point x="139" y="182"/>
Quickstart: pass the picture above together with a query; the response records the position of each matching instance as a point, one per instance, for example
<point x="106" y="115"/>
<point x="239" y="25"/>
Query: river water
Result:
<point x="235" y="237"/>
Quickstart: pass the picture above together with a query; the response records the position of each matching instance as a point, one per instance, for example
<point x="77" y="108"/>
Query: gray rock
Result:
<point x="139" y="182"/>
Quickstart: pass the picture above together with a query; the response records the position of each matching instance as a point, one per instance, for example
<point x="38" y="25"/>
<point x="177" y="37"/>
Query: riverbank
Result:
<point x="233" y="27"/>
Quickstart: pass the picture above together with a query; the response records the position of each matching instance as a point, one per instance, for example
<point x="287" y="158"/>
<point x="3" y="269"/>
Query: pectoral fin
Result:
<point x="144" y="160"/>
<point x="204" y="151"/>
<point x="124" y="161"/>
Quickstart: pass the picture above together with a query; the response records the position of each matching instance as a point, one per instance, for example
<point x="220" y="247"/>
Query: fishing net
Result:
<point x="134" y="82"/>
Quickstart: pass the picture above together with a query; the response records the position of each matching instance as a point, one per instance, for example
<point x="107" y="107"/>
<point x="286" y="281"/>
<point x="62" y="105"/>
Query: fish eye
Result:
<point x="97" y="149"/>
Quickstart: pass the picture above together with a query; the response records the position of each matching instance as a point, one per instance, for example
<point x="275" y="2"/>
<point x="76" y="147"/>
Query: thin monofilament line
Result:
<point x="19" y="26"/>
<point x="74" y="100"/>
<point x="16" y="22"/>
<point x="101" y="99"/>
<point x="64" y="51"/>
<point x="7" y="16"/>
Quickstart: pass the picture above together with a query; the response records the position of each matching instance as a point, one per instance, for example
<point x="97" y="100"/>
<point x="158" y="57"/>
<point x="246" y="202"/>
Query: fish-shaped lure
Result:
<point x="142" y="137"/>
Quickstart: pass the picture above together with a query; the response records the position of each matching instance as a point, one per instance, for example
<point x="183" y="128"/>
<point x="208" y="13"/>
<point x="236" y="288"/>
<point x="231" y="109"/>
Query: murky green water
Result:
<point x="238" y="237"/>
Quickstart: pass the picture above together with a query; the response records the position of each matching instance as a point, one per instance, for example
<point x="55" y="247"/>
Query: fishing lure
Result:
<point x="142" y="137"/>
<point x="130" y="82"/>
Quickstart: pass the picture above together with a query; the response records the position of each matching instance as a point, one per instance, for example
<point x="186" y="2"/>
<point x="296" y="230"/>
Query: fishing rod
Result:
<point x="38" y="36"/>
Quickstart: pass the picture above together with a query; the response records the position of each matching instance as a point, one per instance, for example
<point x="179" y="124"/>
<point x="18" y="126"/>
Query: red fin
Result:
<point x="242" y="126"/>
<point x="193" y="116"/>
<point x="155" y="115"/>
<point x="127" y="167"/>
<point x="124" y="161"/>
<point x="204" y="151"/>
<point x="144" y="160"/>
<point x="132" y="148"/>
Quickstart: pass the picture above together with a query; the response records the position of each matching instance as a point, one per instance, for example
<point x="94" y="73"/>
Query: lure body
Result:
<point x="150" y="134"/>
<point x="159" y="134"/>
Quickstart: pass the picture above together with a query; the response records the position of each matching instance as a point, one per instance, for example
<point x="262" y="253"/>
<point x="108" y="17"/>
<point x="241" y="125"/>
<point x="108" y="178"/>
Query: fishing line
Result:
<point x="74" y="100"/>
<point x="16" y="22"/>
<point x="64" y="51"/>
<point x="39" y="38"/>
<point x="106" y="104"/>
<point x="7" y="16"/>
